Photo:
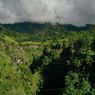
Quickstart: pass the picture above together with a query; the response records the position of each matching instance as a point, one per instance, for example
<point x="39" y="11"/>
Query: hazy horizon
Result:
<point x="76" y="12"/>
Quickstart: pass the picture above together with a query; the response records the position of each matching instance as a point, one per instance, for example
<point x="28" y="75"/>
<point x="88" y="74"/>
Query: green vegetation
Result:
<point x="53" y="60"/>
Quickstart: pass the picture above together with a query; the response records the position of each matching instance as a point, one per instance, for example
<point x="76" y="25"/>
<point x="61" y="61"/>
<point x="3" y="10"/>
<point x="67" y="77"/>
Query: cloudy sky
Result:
<point x="77" y="12"/>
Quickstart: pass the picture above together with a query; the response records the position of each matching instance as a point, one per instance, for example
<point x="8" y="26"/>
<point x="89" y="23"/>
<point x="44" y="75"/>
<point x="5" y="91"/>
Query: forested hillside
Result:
<point x="48" y="60"/>
<point x="41" y="32"/>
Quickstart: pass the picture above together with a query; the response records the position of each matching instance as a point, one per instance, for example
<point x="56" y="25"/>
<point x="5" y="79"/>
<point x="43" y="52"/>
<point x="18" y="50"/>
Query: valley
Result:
<point x="47" y="59"/>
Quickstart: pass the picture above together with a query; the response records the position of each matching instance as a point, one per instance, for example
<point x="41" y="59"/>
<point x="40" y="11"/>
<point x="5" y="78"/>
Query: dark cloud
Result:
<point x="78" y="12"/>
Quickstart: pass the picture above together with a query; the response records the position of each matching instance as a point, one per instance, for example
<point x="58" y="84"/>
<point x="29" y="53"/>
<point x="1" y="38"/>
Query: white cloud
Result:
<point x="78" y="12"/>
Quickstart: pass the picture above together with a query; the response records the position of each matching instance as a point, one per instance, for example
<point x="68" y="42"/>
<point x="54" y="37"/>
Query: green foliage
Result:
<point x="67" y="66"/>
<point x="76" y="85"/>
<point x="53" y="60"/>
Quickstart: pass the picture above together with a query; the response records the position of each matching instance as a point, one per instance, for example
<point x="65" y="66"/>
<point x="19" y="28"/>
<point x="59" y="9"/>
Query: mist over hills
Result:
<point x="28" y="27"/>
<point x="47" y="47"/>
<point x="77" y="12"/>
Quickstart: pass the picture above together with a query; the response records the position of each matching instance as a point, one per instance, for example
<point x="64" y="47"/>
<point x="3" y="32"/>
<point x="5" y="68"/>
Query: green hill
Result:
<point x="40" y="32"/>
<point x="51" y="60"/>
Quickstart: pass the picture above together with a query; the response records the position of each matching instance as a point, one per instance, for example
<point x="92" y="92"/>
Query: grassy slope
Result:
<point x="15" y="79"/>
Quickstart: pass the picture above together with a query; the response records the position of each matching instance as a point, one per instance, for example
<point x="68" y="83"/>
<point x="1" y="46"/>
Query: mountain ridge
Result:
<point x="28" y="27"/>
